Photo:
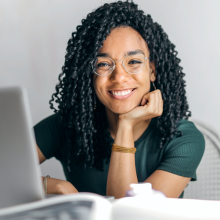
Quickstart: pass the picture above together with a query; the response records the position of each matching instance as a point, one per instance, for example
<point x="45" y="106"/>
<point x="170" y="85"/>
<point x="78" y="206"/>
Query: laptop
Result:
<point x="20" y="176"/>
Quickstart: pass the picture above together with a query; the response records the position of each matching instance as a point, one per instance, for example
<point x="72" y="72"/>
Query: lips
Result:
<point x="121" y="94"/>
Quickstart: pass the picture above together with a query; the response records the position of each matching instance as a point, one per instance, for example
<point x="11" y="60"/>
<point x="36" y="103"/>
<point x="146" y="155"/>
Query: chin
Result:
<point x="122" y="109"/>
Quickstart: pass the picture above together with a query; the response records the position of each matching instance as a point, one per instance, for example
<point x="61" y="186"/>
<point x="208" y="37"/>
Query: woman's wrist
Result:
<point x="124" y="134"/>
<point x="124" y="124"/>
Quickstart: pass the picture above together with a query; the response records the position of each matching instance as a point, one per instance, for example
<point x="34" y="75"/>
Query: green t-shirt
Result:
<point x="180" y="156"/>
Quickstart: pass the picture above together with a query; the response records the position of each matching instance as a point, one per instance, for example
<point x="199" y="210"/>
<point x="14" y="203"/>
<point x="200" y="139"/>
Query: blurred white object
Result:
<point x="138" y="208"/>
<point x="144" y="190"/>
<point x="73" y="206"/>
<point x="207" y="185"/>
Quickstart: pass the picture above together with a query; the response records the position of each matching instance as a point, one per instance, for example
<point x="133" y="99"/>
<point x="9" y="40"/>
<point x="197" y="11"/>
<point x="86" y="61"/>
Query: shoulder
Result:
<point x="50" y="136"/>
<point x="52" y="119"/>
<point x="191" y="136"/>
<point x="187" y="127"/>
<point x="191" y="144"/>
<point x="182" y="154"/>
<point x="190" y="133"/>
<point x="49" y="123"/>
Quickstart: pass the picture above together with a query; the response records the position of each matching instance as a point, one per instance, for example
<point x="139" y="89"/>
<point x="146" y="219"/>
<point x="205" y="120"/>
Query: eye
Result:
<point x="134" y="62"/>
<point x="103" y="64"/>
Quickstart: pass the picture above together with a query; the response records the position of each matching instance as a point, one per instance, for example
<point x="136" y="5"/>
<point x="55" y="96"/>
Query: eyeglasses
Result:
<point x="132" y="64"/>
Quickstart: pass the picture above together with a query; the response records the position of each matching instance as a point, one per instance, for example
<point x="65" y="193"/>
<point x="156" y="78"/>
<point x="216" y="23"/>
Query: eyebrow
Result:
<point x="129" y="53"/>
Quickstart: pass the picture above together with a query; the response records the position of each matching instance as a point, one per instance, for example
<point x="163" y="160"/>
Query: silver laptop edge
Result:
<point x="20" y="180"/>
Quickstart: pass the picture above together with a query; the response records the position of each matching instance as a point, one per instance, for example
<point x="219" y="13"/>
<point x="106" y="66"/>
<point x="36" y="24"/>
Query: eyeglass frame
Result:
<point x="122" y="65"/>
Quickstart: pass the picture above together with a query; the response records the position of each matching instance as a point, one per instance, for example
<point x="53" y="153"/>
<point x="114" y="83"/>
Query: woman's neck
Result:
<point x="138" y="129"/>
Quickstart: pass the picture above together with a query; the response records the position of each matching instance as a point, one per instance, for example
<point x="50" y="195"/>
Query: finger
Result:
<point x="151" y="102"/>
<point x="145" y="99"/>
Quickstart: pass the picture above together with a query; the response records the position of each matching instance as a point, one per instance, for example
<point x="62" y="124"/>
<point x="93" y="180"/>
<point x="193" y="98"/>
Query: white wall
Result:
<point x="34" y="35"/>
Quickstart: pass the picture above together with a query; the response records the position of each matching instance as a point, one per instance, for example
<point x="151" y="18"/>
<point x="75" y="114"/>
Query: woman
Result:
<point x="121" y="89"/>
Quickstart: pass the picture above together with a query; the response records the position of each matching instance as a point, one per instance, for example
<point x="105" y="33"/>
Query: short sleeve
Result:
<point x="49" y="134"/>
<point x="182" y="155"/>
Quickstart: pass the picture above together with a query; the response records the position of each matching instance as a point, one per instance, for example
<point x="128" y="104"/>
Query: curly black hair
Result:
<point x="89" y="143"/>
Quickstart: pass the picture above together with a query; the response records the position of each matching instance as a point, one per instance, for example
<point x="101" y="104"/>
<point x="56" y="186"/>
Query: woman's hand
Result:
<point x="151" y="107"/>
<point x="57" y="186"/>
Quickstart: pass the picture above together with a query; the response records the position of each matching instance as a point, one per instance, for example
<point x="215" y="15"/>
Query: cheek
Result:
<point x="99" y="86"/>
<point x="143" y="81"/>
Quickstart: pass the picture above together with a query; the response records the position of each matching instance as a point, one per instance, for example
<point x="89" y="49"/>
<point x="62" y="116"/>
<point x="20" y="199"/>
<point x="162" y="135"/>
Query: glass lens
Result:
<point x="103" y="66"/>
<point x="134" y="64"/>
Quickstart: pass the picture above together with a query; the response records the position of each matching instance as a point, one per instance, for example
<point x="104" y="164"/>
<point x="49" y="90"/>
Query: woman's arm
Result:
<point x="56" y="186"/>
<point x="41" y="157"/>
<point x="170" y="184"/>
<point x="122" y="170"/>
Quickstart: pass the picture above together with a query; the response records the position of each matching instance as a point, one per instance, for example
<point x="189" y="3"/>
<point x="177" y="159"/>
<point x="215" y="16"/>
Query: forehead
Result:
<point x="121" y="40"/>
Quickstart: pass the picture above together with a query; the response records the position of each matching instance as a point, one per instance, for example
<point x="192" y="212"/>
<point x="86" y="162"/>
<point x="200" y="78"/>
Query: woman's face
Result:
<point x="120" y="92"/>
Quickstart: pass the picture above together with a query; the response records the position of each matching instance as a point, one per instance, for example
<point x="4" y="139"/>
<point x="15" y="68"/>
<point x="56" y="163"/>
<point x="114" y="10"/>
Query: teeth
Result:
<point x="121" y="93"/>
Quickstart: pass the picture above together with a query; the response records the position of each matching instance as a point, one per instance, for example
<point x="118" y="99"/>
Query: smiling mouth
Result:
<point x="121" y="94"/>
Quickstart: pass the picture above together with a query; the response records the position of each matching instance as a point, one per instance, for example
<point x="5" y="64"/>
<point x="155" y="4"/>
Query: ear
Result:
<point x="153" y="72"/>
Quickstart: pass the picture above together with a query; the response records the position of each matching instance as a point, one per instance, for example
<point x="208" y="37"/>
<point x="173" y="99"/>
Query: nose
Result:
<point x="119" y="75"/>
